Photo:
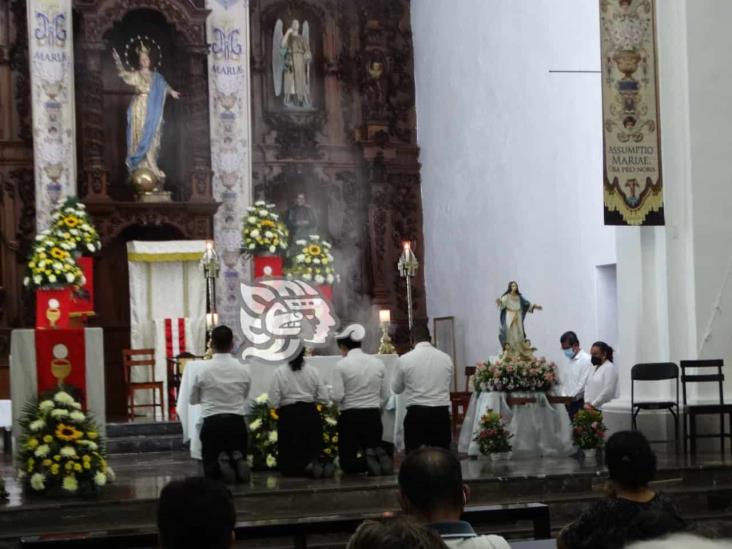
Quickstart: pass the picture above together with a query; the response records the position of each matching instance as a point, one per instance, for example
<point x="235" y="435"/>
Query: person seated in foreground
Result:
<point x="682" y="541"/>
<point x="612" y="522"/>
<point x="431" y="489"/>
<point x="221" y="388"/>
<point x="196" y="513"/>
<point x="398" y="533"/>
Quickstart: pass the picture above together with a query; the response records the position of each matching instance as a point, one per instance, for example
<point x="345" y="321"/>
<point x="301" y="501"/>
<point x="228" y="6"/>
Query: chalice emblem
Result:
<point x="60" y="365"/>
<point x="53" y="313"/>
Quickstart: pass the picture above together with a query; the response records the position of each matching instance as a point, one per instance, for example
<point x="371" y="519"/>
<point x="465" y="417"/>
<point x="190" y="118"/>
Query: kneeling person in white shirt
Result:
<point x="424" y="375"/>
<point x="360" y="389"/>
<point x="574" y="372"/>
<point x="222" y="389"/>
<point x="431" y="489"/>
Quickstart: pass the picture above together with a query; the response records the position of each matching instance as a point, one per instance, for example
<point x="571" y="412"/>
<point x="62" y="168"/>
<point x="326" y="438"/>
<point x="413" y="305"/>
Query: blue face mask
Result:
<point x="569" y="353"/>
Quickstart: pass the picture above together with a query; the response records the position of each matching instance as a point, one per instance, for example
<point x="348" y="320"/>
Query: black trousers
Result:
<point x="574" y="407"/>
<point x="299" y="437"/>
<point x="221" y="433"/>
<point x="358" y="429"/>
<point x="427" y="426"/>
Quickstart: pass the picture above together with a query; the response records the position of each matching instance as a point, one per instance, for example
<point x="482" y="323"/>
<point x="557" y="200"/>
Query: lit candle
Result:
<point x="385" y="316"/>
<point x="407" y="246"/>
<point x="212" y="320"/>
<point x="209" y="244"/>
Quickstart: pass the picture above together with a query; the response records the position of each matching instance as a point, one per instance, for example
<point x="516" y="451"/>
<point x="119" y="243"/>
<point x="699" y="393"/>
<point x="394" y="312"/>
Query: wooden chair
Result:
<point x="691" y="411"/>
<point x="460" y="402"/>
<point x="142" y="358"/>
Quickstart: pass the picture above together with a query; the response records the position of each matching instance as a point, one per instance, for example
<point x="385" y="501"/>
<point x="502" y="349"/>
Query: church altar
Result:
<point x="190" y="414"/>
<point x="24" y="371"/>
<point x="539" y="427"/>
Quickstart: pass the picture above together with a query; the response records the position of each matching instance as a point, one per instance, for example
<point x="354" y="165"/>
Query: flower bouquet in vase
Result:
<point x="313" y="262"/>
<point x="588" y="430"/>
<point x="262" y="434"/>
<point x="52" y="272"/>
<point x="60" y="449"/>
<point x="71" y="223"/>
<point x="265" y="238"/>
<point x="493" y="438"/>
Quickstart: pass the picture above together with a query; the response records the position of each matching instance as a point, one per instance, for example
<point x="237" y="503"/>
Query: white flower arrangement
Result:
<point x="52" y="264"/>
<point x="62" y="397"/>
<point x="256" y="424"/>
<point x="71" y="222"/>
<point x="263" y="232"/>
<point x="314" y="262"/>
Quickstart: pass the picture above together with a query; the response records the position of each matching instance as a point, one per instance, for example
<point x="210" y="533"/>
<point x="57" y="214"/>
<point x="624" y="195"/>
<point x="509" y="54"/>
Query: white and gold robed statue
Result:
<point x="513" y="309"/>
<point x="145" y="113"/>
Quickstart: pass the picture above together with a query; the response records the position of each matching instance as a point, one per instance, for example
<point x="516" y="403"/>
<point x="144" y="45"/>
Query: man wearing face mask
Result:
<point x="573" y="372"/>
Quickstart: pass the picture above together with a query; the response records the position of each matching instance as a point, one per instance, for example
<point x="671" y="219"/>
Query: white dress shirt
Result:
<point x="573" y="374"/>
<point x="222" y="386"/>
<point x="602" y="384"/>
<point x="360" y="381"/>
<point x="424" y="375"/>
<point x="290" y="386"/>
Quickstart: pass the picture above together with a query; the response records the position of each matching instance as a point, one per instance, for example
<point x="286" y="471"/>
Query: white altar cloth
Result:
<point x="190" y="414"/>
<point x="23" y="381"/>
<point x="539" y="429"/>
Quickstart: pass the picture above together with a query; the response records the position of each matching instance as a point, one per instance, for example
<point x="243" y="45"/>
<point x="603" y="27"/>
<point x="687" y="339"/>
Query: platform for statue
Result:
<point x="703" y="488"/>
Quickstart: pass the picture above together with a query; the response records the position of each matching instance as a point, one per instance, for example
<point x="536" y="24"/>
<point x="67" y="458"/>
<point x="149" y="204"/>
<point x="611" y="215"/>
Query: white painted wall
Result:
<point x="511" y="165"/>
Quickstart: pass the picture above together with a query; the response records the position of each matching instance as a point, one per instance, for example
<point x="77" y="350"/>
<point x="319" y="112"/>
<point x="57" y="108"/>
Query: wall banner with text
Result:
<point x="633" y="186"/>
<point x="52" y="94"/>
<point x="229" y="100"/>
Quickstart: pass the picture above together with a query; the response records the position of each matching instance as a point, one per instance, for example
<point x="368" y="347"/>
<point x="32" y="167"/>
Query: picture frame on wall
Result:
<point x="443" y="336"/>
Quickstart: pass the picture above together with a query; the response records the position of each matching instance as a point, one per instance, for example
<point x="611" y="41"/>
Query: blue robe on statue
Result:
<point x="153" y="120"/>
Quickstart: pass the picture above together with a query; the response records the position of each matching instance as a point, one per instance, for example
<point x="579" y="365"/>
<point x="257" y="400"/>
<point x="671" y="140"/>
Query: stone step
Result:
<point x="138" y="444"/>
<point x="141" y="428"/>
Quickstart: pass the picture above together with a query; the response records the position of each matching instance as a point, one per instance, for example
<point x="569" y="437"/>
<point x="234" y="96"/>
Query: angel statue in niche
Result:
<point x="145" y="113"/>
<point x="513" y="308"/>
<point x="291" y="64"/>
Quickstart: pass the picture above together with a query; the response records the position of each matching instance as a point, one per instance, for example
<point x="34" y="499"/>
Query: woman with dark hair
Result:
<point x="295" y="391"/>
<point x="612" y="522"/>
<point x="603" y="381"/>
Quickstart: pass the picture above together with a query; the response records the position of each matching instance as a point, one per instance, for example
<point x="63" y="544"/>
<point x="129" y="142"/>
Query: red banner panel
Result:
<point x="267" y="265"/>
<point x="53" y="308"/>
<point x="61" y="360"/>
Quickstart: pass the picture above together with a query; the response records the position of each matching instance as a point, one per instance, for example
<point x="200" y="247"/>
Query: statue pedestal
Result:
<point x="155" y="196"/>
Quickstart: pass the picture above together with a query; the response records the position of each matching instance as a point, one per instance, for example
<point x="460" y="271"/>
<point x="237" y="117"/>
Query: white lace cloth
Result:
<point x="539" y="429"/>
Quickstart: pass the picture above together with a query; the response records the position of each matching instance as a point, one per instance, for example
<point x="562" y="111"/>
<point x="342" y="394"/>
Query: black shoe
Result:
<point x="372" y="463"/>
<point x="328" y="469"/>
<point x="243" y="474"/>
<point x="385" y="463"/>
<point x="228" y="475"/>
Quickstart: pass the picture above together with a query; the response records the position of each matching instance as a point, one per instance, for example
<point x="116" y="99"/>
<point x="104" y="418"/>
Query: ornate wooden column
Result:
<point x="95" y="177"/>
<point x="199" y="136"/>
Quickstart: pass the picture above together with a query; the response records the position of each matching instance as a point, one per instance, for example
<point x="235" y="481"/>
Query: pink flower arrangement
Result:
<point x="509" y="373"/>
<point x="493" y="437"/>
<point x="588" y="430"/>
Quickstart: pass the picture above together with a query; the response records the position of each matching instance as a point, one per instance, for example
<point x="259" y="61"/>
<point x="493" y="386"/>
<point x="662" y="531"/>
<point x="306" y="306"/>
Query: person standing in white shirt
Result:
<point x="360" y="389"/>
<point x="603" y="382"/>
<point x="221" y="388"/>
<point x="424" y="375"/>
<point x="574" y="372"/>
<point x="295" y="391"/>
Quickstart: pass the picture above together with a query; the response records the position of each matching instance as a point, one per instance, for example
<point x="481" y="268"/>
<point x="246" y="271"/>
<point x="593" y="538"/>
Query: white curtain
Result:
<point x="166" y="281"/>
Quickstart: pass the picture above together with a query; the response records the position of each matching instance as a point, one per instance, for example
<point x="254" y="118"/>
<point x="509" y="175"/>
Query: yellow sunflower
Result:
<point x="314" y="249"/>
<point x="67" y="432"/>
<point x="71" y="221"/>
<point x="58" y="253"/>
<point x="273" y="414"/>
<point x="267" y="223"/>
